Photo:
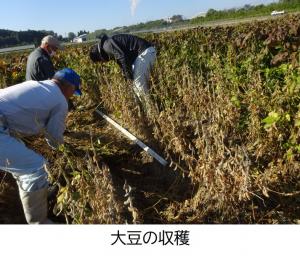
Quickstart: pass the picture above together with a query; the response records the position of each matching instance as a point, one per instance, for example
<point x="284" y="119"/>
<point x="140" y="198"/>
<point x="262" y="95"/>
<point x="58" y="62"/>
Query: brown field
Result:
<point x="225" y="115"/>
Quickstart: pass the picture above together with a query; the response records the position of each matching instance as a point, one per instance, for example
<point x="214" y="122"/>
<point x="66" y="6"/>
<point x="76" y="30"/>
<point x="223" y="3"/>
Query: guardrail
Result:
<point x="32" y="46"/>
<point x="17" y="48"/>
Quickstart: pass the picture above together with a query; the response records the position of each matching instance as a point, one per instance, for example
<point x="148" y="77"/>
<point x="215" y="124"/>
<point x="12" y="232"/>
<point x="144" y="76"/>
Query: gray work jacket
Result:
<point x="39" y="66"/>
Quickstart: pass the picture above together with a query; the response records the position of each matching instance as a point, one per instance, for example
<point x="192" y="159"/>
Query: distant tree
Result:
<point x="177" y="18"/>
<point x="82" y="32"/>
<point x="96" y="34"/>
<point x="289" y="1"/>
<point x="247" y="7"/>
<point x="71" y="36"/>
<point x="258" y="7"/>
<point x="13" y="38"/>
<point x="211" y="12"/>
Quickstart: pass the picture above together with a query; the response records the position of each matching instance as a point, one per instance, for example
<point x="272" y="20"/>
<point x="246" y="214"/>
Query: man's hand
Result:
<point x="71" y="105"/>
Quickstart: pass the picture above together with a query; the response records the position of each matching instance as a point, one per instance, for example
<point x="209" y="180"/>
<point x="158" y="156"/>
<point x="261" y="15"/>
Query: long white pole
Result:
<point x="133" y="138"/>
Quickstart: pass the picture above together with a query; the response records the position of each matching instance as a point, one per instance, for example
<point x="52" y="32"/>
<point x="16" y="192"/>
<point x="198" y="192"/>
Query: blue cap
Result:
<point x="70" y="76"/>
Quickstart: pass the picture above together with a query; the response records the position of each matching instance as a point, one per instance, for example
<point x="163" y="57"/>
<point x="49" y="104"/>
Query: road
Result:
<point x="17" y="48"/>
<point x="32" y="46"/>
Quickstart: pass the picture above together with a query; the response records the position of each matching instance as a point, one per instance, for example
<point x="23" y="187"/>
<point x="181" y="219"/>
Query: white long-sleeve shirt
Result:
<point x="33" y="107"/>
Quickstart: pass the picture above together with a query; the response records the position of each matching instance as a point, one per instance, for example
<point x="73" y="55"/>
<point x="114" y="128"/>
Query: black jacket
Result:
<point x="124" y="49"/>
<point x="39" y="66"/>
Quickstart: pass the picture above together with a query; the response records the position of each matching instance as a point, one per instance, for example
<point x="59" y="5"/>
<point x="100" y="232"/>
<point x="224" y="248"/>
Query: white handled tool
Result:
<point x="133" y="138"/>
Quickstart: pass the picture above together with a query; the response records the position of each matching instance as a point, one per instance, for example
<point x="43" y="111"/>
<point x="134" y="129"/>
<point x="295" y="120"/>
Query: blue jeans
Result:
<point x="27" y="167"/>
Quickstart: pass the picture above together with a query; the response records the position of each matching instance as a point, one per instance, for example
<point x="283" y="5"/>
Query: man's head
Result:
<point x="51" y="45"/>
<point x="68" y="81"/>
<point x="97" y="54"/>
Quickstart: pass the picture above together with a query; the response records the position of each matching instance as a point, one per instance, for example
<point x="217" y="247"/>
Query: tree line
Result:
<point x="10" y="38"/>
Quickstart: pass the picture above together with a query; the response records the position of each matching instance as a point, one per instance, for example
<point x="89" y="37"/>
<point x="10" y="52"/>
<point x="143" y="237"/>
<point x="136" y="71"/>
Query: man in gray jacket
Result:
<point x="27" y="109"/>
<point x="39" y="63"/>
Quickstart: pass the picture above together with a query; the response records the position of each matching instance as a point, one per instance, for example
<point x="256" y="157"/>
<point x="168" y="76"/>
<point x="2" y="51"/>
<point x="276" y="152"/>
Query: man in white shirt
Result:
<point x="32" y="108"/>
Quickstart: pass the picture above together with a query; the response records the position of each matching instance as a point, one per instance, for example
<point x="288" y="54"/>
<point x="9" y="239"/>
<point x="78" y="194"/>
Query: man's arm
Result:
<point x="126" y="68"/>
<point x="121" y="58"/>
<point x="45" y="69"/>
<point x="56" y="126"/>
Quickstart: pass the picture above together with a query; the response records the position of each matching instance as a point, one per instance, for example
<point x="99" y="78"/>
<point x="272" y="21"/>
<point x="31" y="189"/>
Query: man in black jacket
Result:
<point x="134" y="55"/>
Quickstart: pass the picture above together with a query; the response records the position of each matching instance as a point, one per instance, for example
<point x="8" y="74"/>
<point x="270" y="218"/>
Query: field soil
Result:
<point x="151" y="185"/>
